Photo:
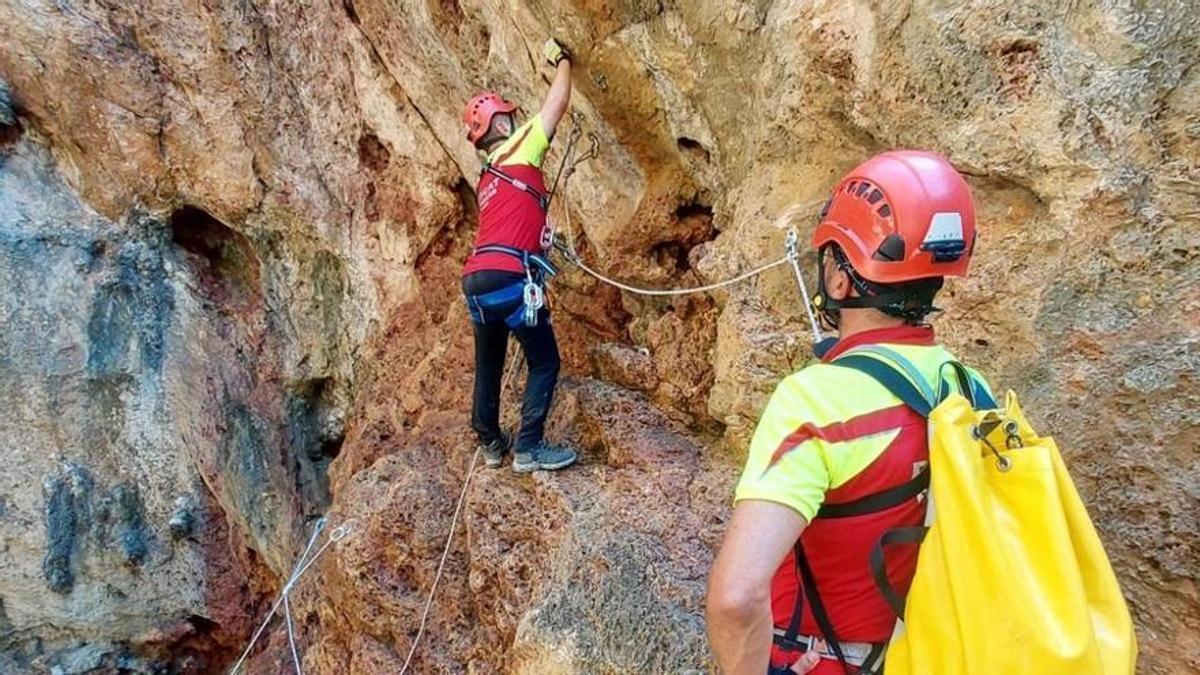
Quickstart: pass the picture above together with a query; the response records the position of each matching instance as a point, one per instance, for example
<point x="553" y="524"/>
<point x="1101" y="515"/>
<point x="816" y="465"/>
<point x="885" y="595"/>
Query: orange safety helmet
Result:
<point x="480" y="110"/>
<point x="901" y="216"/>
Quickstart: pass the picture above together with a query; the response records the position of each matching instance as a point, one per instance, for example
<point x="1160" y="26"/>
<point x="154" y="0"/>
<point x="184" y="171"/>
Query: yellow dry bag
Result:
<point x="1011" y="576"/>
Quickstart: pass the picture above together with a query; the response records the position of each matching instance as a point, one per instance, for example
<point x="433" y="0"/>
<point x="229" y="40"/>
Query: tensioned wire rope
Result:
<point x="569" y="251"/>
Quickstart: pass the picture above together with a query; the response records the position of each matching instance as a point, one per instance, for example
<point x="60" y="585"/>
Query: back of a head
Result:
<point x="480" y="112"/>
<point x="899" y="223"/>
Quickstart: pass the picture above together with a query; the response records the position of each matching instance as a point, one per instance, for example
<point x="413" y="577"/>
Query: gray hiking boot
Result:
<point x="493" y="453"/>
<point x="543" y="457"/>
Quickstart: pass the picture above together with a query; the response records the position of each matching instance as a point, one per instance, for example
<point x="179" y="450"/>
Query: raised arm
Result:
<point x="555" y="105"/>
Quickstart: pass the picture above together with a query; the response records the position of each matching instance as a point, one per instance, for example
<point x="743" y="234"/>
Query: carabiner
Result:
<point x="534" y="301"/>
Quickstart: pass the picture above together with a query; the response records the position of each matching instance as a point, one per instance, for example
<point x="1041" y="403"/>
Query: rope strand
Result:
<point x="504" y="382"/>
<point x="302" y="566"/>
<point x="678" y="291"/>
<point x="571" y="253"/>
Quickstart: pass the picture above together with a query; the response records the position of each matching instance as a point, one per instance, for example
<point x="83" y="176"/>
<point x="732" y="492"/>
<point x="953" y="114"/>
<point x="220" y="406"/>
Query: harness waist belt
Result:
<point x="856" y="653"/>
<point x="534" y="260"/>
<point x="502" y="296"/>
<point x="509" y="300"/>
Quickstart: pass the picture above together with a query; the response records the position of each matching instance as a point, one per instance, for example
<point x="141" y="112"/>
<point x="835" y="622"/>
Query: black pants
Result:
<point x="491" y="344"/>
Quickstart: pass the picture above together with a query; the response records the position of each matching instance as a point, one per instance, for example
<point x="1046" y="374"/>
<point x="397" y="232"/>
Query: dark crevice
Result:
<point x="10" y="125"/>
<point x="693" y="148"/>
<point x="671" y="254"/>
<point x="315" y="430"/>
<point x="695" y="223"/>
<point x="221" y="259"/>
<point x="348" y="5"/>
<point x="372" y="153"/>
<point x="693" y="226"/>
<point x="694" y="210"/>
<point x="9" y="133"/>
<point x="202" y="624"/>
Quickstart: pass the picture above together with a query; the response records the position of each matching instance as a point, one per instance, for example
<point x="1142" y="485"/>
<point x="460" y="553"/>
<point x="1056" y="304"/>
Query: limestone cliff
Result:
<point x="230" y="236"/>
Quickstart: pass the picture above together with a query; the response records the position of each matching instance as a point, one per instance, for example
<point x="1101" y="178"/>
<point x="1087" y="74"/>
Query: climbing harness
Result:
<point x="530" y="291"/>
<point x="543" y="199"/>
<point x="302" y="565"/>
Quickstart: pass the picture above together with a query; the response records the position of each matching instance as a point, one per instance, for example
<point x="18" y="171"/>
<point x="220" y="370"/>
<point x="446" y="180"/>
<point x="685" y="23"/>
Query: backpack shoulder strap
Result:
<point x="889" y="378"/>
<point x="971" y="387"/>
<point x="903" y="388"/>
<point x="901" y="363"/>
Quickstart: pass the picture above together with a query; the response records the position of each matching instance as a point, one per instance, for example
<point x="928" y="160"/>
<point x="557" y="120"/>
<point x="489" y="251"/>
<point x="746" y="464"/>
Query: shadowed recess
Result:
<point x="221" y="260"/>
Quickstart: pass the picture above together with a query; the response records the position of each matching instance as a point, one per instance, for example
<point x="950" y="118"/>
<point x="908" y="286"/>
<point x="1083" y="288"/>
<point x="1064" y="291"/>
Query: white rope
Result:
<point x="287" y="614"/>
<point x="678" y="291"/>
<point x="441" y="565"/>
<point x="572" y="254"/>
<point x="302" y="566"/>
<point x="507" y="379"/>
<point x="792" y="256"/>
<point x="305" y="561"/>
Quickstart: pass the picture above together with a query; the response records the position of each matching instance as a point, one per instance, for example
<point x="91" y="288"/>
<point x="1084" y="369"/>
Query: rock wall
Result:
<point x="230" y="236"/>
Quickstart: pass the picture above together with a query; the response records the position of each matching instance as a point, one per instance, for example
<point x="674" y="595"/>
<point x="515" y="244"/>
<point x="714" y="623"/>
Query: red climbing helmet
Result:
<point x="901" y="216"/>
<point x="479" y="113"/>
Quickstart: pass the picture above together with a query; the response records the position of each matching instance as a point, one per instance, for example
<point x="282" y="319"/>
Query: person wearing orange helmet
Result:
<point x="836" y="459"/>
<point x="503" y="276"/>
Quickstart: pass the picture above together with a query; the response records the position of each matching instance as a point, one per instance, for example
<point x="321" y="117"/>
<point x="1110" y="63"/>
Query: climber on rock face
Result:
<point x="504" y="275"/>
<point x="791" y="590"/>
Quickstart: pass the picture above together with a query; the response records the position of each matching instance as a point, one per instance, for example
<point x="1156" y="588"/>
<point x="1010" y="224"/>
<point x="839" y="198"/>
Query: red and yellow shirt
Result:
<point x="830" y="435"/>
<point x="509" y="215"/>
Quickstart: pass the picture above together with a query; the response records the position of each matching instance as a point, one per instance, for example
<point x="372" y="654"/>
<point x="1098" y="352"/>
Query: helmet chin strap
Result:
<point x="828" y="309"/>
<point x="890" y="301"/>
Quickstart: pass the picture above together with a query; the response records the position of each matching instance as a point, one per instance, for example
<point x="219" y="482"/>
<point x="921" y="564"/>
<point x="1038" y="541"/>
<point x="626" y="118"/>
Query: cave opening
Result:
<point x="372" y="153"/>
<point x="9" y="133"/>
<point x="694" y="210"/>
<point x="10" y="125"/>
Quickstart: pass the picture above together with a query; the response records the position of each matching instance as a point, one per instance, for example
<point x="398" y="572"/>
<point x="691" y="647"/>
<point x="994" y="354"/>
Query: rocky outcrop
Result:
<point x="230" y="236"/>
